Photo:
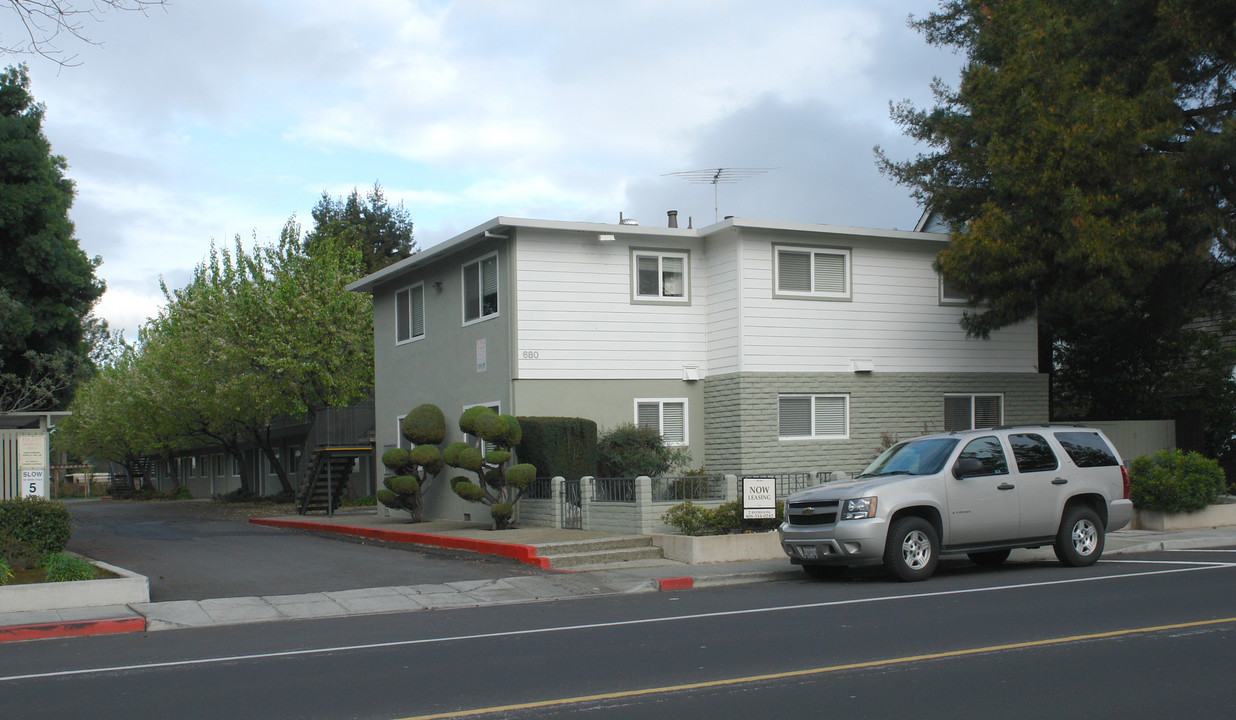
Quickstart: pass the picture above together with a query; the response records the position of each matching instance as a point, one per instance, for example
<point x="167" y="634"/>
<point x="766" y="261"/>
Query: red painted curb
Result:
<point x="522" y="553"/>
<point x="78" y="628"/>
<point x="675" y="583"/>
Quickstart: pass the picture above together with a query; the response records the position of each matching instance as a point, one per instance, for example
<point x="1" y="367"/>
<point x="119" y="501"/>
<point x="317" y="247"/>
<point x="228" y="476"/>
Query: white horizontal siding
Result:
<point x="725" y="276"/>
<point x="893" y="318"/>
<point x="577" y="320"/>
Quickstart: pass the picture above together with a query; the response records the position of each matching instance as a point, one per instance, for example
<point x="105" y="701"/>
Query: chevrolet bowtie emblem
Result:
<point x="808" y="511"/>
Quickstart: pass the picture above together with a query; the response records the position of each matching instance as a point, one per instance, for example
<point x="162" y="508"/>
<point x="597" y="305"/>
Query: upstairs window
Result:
<point x="660" y="276"/>
<point x="966" y="412"/>
<point x="808" y="272"/>
<point x="480" y="289"/>
<point x="410" y="314"/>
<point x="668" y="417"/>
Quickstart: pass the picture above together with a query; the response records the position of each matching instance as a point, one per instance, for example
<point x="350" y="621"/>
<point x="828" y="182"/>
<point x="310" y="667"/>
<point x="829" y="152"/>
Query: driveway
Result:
<point x="195" y="550"/>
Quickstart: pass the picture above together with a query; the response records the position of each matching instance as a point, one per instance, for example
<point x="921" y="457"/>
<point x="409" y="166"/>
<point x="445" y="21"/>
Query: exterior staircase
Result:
<point x="337" y="438"/>
<point x="603" y="553"/>
<point x="326" y="478"/>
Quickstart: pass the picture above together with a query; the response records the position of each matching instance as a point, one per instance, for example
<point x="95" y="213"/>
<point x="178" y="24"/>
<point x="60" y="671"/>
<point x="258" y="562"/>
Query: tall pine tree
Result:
<point x="47" y="284"/>
<point x="1085" y="161"/>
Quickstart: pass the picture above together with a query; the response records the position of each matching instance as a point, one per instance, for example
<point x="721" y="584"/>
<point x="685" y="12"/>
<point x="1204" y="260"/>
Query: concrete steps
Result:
<point x="601" y="552"/>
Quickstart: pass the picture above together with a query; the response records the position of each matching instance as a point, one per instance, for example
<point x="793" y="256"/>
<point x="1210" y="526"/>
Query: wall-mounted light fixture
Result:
<point x="605" y="238"/>
<point x="437" y="285"/>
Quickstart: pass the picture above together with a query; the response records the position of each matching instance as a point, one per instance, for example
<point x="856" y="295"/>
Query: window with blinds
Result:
<point x="813" y="416"/>
<point x="668" y="417"/>
<point x="966" y="412"/>
<point x="660" y="276"/>
<point x="811" y="272"/>
<point x="480" y="289"/>
<point x="410" y="314"/>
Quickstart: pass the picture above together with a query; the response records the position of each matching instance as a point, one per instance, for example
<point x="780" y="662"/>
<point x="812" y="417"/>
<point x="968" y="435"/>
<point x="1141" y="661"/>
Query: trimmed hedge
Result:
<point x="559" y="446"/>
<point x="1175" y="481"/>
<point x="692" y="519"/>
<point x="41" y="525"/>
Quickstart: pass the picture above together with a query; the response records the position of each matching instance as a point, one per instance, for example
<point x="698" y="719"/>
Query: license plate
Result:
<point x="808" y="552"/>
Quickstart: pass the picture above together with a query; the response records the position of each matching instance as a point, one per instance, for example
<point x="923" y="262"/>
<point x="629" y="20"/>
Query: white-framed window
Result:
<point x="410" y="313"/>
<point x="270" y="462"/>
<point x="235" y="466"/>
<point x="812" y="272"/>
<point x="813" y="416"/>
<point x="480" y="289"/>
<point x="218" y="464"/>
<point x="667" y="416"/>
<point x="400" y="440"/>
<point x="659" y="276"/>
<point x="966" y="412"/>
<point x="950" y="295"/>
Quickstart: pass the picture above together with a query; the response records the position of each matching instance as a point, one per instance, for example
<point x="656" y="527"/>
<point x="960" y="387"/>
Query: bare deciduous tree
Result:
<point x="44" y="22"/>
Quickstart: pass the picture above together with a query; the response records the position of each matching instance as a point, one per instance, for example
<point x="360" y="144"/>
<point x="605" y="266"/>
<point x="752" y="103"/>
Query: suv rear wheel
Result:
<point x="1079" y="542"/>
<point x="912" y="549"/>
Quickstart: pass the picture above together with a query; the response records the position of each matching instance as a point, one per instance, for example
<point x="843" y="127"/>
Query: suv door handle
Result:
<point x="1005" y="486"/>
<point x="1059" y="481"/>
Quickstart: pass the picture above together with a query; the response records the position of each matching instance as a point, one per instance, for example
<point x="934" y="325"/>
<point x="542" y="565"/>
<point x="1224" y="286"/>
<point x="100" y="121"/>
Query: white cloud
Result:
<point x="212" y="119"/>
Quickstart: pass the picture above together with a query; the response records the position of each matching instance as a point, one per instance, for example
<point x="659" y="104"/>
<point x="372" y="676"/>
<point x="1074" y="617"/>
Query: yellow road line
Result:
<point x="817" y="671"/>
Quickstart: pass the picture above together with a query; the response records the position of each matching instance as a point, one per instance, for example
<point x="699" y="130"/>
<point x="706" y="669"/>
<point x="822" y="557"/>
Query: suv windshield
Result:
<point x="916" y="457"/>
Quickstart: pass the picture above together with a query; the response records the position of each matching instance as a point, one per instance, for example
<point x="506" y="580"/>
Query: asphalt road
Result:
<point x="196" y="551"/>
<point x="1138" y="636"/>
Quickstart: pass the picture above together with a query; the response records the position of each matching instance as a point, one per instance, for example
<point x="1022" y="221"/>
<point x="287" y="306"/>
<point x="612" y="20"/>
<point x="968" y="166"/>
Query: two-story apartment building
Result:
<point x="760" y="346"/>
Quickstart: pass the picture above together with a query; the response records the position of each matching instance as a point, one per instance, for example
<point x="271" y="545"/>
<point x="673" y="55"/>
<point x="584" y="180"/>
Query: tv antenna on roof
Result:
<point x="716" y="177"/>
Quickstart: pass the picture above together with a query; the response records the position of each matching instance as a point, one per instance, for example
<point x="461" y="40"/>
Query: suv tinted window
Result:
<point x="1087" y="449"/>
<point x="1032" y="453"/>
<point x="987" y="450"/>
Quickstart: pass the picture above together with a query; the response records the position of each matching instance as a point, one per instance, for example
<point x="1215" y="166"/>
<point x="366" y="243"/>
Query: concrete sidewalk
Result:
<point x="520" y="544"/>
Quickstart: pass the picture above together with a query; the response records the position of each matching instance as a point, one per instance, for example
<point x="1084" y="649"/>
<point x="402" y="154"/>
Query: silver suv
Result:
<point x="979" y="492"/>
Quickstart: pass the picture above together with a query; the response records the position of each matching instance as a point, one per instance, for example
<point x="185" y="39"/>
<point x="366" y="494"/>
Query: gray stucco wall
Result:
<point x="441" y="368"/>
<point x="611" y="402"/>
<point x="740" y="413"/>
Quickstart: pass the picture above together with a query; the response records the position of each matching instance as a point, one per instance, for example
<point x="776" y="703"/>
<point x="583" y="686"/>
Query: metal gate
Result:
<point x="572" y="505"/>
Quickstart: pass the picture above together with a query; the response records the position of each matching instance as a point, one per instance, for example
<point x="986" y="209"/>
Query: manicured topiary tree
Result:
<point x="425" y="428"/>
<point x="497" y="484"/>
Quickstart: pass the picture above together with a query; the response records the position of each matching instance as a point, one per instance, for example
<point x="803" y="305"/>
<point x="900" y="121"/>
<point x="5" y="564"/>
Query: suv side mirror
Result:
<point x="966" y="467"/>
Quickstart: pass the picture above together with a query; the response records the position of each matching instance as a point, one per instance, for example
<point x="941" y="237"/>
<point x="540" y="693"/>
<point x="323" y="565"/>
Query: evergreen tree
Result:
<point x="47" y="284"/>
<point x="1086" y="163"/>
<point x="381" y="232"/>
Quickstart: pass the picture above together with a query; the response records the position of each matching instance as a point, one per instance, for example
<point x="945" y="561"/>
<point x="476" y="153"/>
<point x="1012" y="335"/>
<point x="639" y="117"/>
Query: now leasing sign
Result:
<point x="759" y="498"/>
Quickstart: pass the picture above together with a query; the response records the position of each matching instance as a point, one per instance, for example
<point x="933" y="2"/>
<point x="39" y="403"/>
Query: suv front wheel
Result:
<point x="912" y="550"/>
<point x="1079" y="542"/>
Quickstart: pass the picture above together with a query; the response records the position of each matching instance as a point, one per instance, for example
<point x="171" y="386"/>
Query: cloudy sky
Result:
<point x="218" y="118"/>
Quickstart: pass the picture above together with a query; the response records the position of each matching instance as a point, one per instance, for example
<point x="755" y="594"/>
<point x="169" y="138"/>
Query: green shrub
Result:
<point x="424" y="425"/>
<point x="1175" y="481"/>
<point x="6" y="572"/>
<point x="691" y="519"/>
<point x="182" y="493"/>
<point x="501" y="512"/>
<point x="631" y="450"/>
<point x="402" y="484"/>
<point x="42" y="525"/>
<point x="556" y="446"/>
<point x="58" y="567"/>
<point x="365" y="501"/>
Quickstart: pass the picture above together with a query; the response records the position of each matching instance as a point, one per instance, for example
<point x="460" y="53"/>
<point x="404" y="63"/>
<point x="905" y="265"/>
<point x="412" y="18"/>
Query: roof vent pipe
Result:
<point x="673" y="218"/>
